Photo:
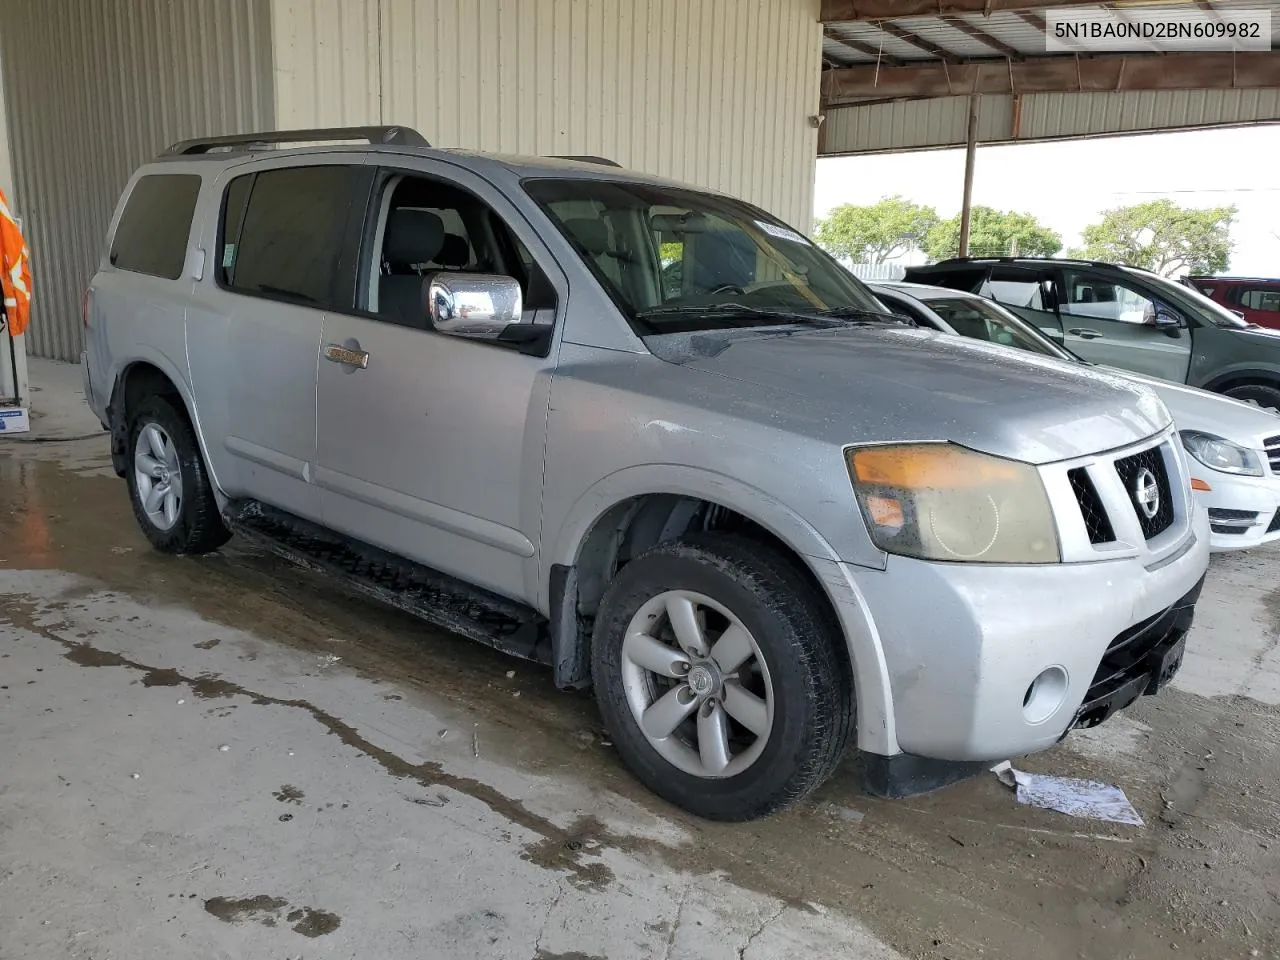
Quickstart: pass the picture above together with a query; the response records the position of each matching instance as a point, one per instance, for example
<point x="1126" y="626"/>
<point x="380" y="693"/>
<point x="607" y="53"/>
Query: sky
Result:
<point x="1067" y="185"/>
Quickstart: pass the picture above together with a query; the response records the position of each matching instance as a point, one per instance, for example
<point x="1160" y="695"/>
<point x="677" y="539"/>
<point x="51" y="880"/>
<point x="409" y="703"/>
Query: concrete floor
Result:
<point x="229" y="757"/>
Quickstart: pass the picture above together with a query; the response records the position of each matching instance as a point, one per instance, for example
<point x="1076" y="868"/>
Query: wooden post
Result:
<point x="970" y="150"/>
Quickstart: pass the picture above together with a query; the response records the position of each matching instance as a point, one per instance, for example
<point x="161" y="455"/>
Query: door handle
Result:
<point x="1085" y="334"/>
<point x="347" y="356"/>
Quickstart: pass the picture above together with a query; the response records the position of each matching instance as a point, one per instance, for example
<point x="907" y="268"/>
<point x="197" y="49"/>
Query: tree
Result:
<point x="1159" y="235"/>
<point x="875" y="233"/>
<point x="993" y="233"/>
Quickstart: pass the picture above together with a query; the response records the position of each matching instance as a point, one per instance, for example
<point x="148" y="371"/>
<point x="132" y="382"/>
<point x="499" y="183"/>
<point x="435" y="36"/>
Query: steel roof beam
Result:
<point x="1057" y="74"/>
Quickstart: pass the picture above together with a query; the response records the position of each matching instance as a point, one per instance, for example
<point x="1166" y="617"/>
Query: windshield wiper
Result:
<point x="860" y="315"/>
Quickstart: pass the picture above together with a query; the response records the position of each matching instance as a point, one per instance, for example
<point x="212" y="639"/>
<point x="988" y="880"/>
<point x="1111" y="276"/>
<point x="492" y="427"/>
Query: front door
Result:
<point x="1113" y="322"/>
<point x="431" y="445"/>
<point x="1028" y="292"/>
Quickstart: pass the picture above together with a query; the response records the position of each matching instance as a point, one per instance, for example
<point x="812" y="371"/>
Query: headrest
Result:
<point x="593" y="235"/>
<point x="413" y="236"/>
<point x="454" y="251"/>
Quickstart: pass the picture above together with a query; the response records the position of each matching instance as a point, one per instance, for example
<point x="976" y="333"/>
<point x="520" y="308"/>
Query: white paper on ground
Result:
<point x="1076" y="798"/>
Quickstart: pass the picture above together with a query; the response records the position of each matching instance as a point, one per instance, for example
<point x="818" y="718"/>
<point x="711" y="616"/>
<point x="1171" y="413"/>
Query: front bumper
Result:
<point x="963" y="644"/>
<point x="1245" y="511"/>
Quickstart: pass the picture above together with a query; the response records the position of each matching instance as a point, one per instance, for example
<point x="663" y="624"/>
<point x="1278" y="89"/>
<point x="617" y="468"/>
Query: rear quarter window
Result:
<point x="154" y="228"/>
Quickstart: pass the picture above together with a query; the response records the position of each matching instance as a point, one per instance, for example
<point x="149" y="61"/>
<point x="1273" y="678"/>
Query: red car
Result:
<point x="1256" y="300"/>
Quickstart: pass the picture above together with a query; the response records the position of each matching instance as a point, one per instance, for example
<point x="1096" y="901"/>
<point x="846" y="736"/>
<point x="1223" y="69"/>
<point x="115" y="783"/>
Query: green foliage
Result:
<point x="1161" y="236"/>
<point x="874" y="233"/>
<point x="993" y="233"/>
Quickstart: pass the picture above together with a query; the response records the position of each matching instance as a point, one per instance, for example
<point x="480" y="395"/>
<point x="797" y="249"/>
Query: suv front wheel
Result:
<point x="720" y="682"/>
<point x="168" y="484"/>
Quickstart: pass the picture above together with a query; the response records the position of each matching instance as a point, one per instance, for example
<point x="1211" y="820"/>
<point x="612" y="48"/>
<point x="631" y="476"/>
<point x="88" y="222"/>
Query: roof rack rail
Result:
<point x="1021" y="259"/>
<point x="587" y="159"/>
<point x="376" y="136"/>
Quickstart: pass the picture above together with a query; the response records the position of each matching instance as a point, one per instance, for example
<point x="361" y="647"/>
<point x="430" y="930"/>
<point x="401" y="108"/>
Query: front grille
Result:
<point x="1130" y="469"/>
<point x="1272" y="446"/>
<point x="1091" y="508"/>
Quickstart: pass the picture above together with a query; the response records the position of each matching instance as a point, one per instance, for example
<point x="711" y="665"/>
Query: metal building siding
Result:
<point x="942" y="122"/>
<point x="714" y="92"/>
<point x="92" y="90"/>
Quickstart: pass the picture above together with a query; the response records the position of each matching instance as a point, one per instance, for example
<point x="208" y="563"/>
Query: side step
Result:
<point x="435" y="597"/>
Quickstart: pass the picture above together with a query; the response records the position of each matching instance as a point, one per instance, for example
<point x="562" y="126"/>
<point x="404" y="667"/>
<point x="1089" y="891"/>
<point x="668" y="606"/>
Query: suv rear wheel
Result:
<point x="168" y="485"/>
<point x="720" y="684"/>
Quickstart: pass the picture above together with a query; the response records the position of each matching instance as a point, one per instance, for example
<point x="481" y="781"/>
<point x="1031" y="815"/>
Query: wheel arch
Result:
<point x="628" y="512"/>
<point x="1243" y="376"/>
<point x="150" y="375"/>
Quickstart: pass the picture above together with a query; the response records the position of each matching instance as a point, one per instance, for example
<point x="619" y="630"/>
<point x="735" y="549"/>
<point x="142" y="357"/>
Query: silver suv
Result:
<point x="650" y="437"/>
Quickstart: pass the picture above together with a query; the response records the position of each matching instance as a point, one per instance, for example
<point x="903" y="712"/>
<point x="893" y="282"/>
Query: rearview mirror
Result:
<point x="477" y="305"/>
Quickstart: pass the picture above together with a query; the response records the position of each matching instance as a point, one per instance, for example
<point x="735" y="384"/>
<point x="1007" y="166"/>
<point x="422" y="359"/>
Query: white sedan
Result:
<point x="1234" y="446"/>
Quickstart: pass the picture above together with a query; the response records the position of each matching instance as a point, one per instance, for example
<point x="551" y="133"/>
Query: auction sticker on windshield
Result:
<point x="782" y="233"/>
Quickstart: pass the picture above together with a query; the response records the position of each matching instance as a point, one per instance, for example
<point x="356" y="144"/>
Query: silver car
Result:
<point x="651" y="437"/>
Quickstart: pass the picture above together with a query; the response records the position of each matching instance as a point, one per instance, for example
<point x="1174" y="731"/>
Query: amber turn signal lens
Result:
<point x="886" y="512"/>
<point x="1198" y="484"/>
<point x="937" y="466"/>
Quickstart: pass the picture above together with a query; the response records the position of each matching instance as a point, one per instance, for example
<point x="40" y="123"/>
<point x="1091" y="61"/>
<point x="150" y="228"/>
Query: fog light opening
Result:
<point x="1045" y="695"/>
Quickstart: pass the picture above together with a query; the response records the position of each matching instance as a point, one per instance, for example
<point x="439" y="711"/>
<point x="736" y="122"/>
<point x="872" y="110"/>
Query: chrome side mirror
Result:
<point x="478" y="305"/>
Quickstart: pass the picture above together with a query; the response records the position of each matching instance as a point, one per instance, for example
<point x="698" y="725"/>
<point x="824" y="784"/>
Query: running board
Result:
<point x="428" y="594"/>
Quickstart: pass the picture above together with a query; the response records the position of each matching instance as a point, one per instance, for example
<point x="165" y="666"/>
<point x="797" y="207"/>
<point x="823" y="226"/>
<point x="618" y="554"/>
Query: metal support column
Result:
<point x="970" y="150"/>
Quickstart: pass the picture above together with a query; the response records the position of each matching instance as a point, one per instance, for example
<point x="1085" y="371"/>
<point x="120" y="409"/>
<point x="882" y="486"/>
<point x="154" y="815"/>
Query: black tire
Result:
<point x="199" y="527"/>
<point x="1264" y="395"/>
<point x="812" y="683"/>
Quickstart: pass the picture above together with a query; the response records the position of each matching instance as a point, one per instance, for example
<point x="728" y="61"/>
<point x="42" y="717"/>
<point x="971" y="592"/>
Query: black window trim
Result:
<point x="381" y="176"/>
<point x="113" y="253"/>
<point x="338" y="284"/>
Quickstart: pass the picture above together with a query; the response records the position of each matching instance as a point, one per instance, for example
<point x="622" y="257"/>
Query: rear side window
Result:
<point x="152" y="234"/>
<point x="283" y="230"/>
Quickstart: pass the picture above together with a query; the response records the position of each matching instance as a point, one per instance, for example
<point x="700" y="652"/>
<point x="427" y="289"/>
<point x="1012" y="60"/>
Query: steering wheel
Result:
<point x="727" y="288"/>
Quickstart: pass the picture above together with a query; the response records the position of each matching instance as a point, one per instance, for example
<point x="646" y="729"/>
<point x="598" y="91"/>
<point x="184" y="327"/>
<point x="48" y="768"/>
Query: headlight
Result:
<point x="938" y="501"/>
<point x="1220" y="454"/>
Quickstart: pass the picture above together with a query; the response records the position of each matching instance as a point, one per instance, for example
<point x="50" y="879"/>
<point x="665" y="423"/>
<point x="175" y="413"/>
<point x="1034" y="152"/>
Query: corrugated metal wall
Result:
<point x="92" y="89"/>
<point x="714" y="92"/>
<point x="943" y="122"/>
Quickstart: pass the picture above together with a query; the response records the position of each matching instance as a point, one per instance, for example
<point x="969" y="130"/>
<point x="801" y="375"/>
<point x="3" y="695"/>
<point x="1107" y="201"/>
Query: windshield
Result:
<point x="985" y="320"/>
<point x="679" y="260"/>
<point x="1193" y="300"/>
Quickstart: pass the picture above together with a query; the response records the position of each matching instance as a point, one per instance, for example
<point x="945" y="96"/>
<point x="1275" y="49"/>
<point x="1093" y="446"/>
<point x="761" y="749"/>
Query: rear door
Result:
<point x="254" y="338"/>
<point x="1260" y="304"/>
<point x="1113" y="322"/>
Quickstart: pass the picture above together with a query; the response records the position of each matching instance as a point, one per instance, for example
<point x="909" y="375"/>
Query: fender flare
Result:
<point x="154" y="358"/>
<point x="875" y="723"/>
<point x="1246" y="372"/>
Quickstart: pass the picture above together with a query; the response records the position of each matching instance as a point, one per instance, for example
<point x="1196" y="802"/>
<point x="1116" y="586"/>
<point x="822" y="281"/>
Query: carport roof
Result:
<point x="894" y="49"/>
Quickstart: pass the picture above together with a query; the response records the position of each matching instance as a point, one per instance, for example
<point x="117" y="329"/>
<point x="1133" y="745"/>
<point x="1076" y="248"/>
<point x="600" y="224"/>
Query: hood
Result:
<point x="1264" y="333"/>
<point x="876" y="384"/>
<point x="1196" y="409"/>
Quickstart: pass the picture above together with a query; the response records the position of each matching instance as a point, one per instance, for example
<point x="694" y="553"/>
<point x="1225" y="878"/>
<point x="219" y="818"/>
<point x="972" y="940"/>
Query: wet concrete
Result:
<point x="232" y="731"/>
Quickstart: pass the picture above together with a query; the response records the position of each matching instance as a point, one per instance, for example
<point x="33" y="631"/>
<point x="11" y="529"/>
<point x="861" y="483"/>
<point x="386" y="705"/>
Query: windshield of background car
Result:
<point x="984" y="320"/>
<point x="1192" y="300"/>
<point x="679" y="260"/>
